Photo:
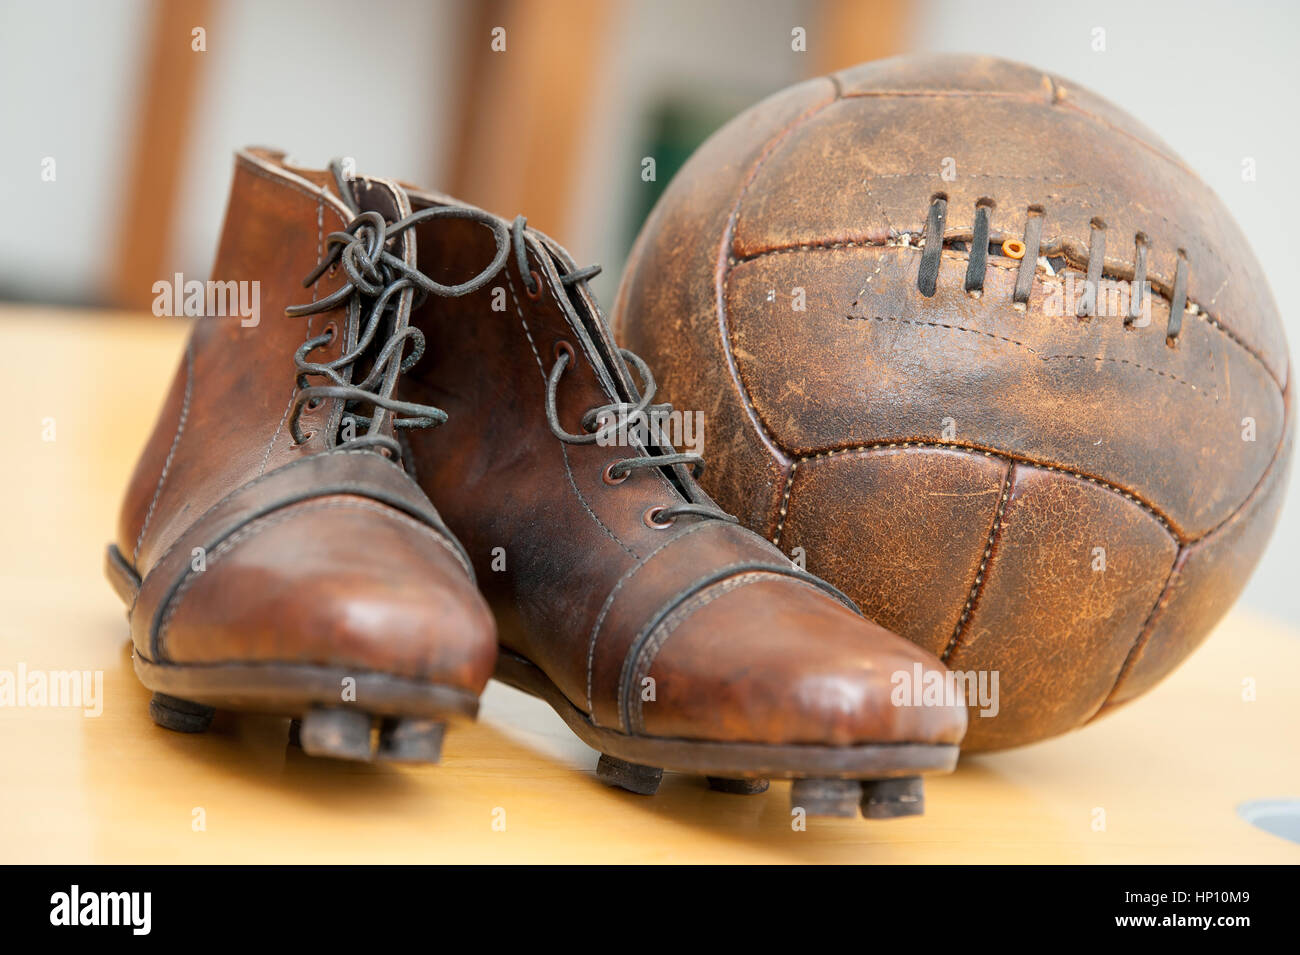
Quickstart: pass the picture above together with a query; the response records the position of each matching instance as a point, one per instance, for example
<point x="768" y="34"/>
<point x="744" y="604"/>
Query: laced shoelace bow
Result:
<point x="390" y="286"/>
<point x="376" y="275"/>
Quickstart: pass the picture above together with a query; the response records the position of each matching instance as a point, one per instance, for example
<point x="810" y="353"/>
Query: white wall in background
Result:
<point x="319" y="79"/>
<point x="67" y="87"/>
<point x="316" y="77"/>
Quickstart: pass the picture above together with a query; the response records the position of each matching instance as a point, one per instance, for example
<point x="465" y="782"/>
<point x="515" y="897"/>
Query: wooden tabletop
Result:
<point x="1159" y="781"/>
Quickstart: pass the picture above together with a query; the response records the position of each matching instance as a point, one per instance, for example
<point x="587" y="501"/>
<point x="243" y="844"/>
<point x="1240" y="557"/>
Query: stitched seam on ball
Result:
<point x="1077" y="201"/>
<point x="1144" y="632"/>
<point x="1259" y="485"/>
<point x="984" y="563"/>
<point x="723" y="281"/>
<point x="1032" y="99"/>
<point x="973" y="175"/>
<point x="265" y="523"/>
<point x="1013" y="459"/>
<point x="1057" y="102"/>
<point x="785" y="503"/>
<point x="1193" y="309"/>
<point x="176" y="440"/>
<point x="564" y="451"/>
<point x="1035" y="352"/>
<point x="1184" y="550"/>
<point x="1159" y="517"/>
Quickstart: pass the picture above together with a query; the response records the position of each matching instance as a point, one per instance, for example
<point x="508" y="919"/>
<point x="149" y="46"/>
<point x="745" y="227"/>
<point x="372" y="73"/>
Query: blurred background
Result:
<point x="119" y="117"/>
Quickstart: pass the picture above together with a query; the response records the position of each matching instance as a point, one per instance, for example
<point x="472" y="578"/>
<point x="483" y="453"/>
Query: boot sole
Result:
<point x="390" y="718"/>
<point x="881" y="780"/>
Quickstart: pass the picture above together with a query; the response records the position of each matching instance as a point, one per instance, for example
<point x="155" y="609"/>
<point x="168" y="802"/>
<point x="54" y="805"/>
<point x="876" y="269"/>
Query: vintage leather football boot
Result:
<point x="273" y="553"/>
<point x="666" y="635"/>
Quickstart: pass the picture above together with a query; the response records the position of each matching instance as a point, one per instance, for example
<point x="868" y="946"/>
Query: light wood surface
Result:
<point x="1168" y="771"/>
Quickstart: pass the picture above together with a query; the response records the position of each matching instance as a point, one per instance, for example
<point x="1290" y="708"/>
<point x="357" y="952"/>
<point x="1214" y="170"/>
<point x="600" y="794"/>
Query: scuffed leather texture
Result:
<point x="954" y="462"/>
<point x="738" y="647"/>
<point x="306" y="554"/>
<point x="406" y="609"/>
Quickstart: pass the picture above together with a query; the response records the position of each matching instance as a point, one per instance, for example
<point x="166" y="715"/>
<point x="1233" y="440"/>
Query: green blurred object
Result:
<point x="675" y="127"/>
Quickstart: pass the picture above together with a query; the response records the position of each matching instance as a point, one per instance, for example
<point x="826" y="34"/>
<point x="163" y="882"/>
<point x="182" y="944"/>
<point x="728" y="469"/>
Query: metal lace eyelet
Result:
<point x="534" y="291"/>
<point x="314" y="403"/>
<point x="305" y="438"/>
<point x="331" y="330"/>
<point x="648" y="518"/>
<point x="563" y="348"/>
<point x="611" y="478"/>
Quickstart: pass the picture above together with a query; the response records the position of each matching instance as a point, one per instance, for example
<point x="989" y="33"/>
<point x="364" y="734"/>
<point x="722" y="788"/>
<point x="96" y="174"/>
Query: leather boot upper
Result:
<point x="269" y="528"/>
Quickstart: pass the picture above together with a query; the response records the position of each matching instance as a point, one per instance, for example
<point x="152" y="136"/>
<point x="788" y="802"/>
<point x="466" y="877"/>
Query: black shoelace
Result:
<point x="389" y="287"/>
<point x="611" y="421"/>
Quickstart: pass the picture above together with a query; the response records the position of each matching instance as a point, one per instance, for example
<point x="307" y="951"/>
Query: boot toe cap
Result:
<point x="340" y="582"/>
<point x="776" y="661"/>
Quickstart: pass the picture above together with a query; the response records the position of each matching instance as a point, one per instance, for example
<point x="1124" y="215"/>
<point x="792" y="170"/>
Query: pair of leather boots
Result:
<point x="416" y="467"/>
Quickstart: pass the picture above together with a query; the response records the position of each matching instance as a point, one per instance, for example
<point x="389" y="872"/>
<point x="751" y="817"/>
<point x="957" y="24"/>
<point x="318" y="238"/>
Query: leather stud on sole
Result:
<point x="182" y="716"/>
<point x="341" y="734"/>
<point x="826" y="797"/>
<point x="739" y="787"/>
<point x="890" y="798"/>
<point x="642" y="780"/>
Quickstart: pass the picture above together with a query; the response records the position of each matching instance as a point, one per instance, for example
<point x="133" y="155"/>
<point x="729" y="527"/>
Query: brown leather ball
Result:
<point x="875" y="288"/>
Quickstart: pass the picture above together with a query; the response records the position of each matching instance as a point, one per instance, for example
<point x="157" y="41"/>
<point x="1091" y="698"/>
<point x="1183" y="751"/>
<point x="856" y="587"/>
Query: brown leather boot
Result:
<point x="666" y="635"/>
<point x="273" y="553"/>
